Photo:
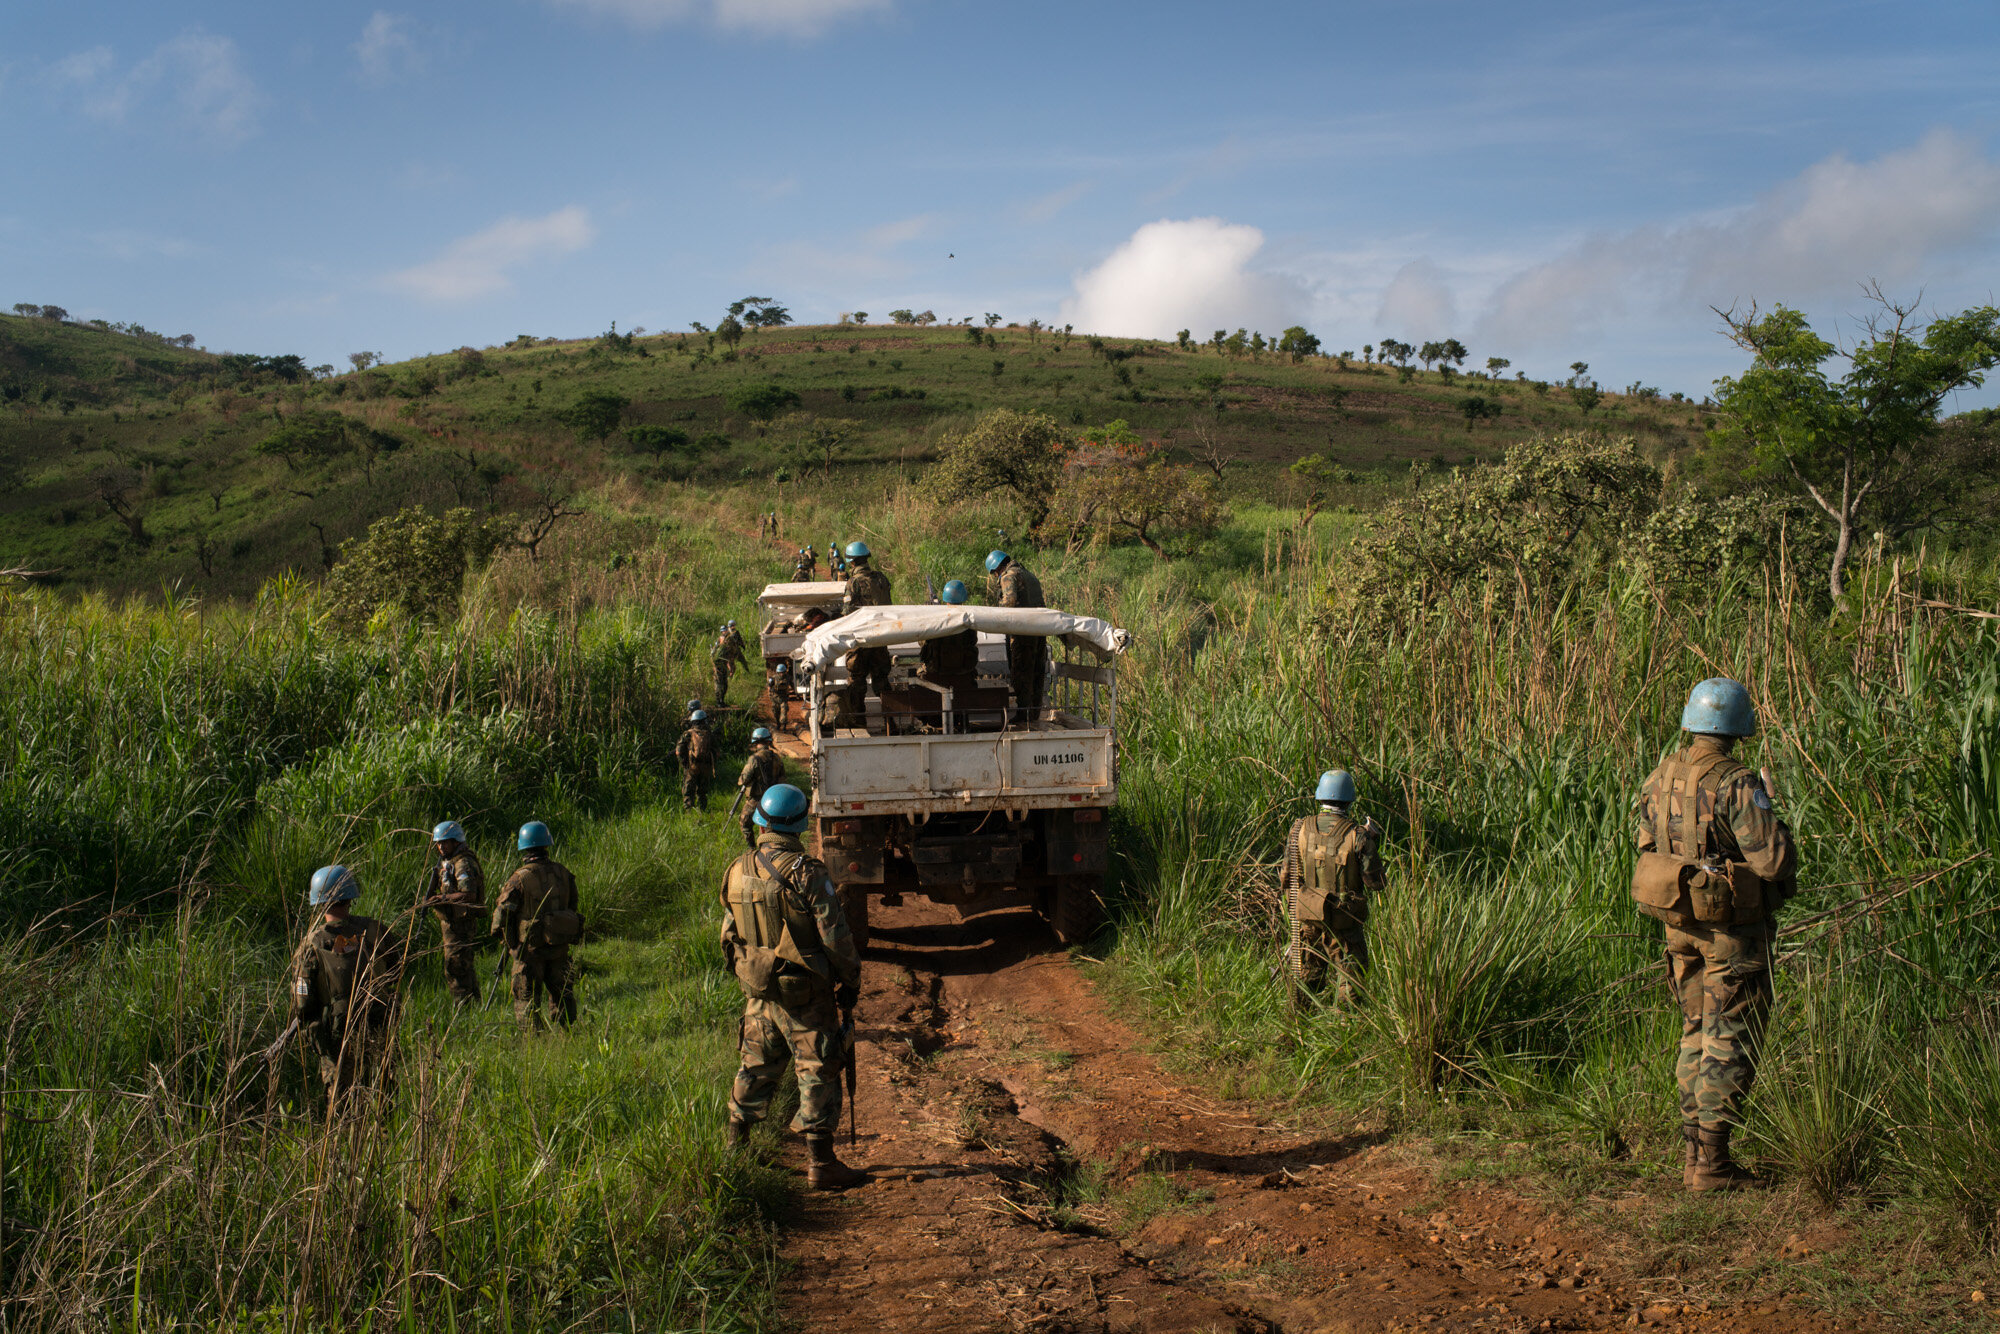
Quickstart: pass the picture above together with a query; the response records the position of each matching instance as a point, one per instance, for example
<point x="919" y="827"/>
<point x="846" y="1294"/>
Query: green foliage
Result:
<point x="594" y="415"/>
<point x="658" y="440"/>
<point x="1297" y="344"/>
<point x="1019" y="454"/>
<point x="762" y="401"/>
<point x="413" y="561"/>
<point x="313" y="436"/>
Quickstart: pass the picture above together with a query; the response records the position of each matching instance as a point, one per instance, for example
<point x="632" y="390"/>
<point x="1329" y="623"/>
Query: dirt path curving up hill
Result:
<point x="1035" y="1169"/>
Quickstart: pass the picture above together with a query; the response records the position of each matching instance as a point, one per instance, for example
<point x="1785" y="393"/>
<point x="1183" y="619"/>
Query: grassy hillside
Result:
<point x="126" y="464"/>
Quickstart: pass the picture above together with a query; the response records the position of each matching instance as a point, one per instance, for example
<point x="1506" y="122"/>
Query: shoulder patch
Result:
<point x="1759" y="798"/>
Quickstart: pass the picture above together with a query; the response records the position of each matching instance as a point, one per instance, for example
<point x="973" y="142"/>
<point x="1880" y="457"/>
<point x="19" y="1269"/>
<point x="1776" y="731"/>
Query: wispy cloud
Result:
<point x="768" y="18"/>
<point x="1191" y="274"/>
<point x="388" y="49"/>
<point x="1042" y="208"/>
<point x="196" y="82"/>
<point x="875" y="254"/>
<point x="483" y="263"/>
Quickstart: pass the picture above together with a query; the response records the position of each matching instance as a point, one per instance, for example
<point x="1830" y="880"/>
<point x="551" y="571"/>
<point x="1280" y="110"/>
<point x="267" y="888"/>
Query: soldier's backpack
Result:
<point x="1330" y="883"/>
<point x="1683" y="882"/>
<point x="701" y="745"/>
<point x="782" y="957"/>
<point x="554" y="922"/>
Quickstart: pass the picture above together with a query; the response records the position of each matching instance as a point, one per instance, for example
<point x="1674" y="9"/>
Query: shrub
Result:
<point x="412" y="561"/>
<point x="761" y="402"/>
<point x="594" y="416"/>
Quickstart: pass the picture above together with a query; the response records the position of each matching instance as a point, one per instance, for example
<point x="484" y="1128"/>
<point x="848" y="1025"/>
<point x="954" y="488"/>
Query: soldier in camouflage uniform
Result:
<point x="836" y="564"/>
<point x="725" y="656"/>
<point x="804" y="567"/>
<point x="1009" y="584"/>
<point x="1332" y="865"/>
<point x="1715" y="865"/>
<point x="457" y="897"/>
<point x="786" y="939"/>
<point x="539" y="919"/>
<point x="763" y="769"/>
<point x="344" y="978"/>
<point x="696" y="753"/>
<point x="866" y="667"/>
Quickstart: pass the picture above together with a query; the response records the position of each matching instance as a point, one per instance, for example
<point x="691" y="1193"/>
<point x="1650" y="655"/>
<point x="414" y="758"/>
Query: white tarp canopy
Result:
<point x="802" y="595"/>
<point x="874" y="627"/>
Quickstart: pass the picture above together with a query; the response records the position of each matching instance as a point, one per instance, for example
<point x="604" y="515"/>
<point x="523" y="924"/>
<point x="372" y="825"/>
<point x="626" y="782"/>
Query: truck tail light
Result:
<point x="1089" y="815"/>
<point x="847" y="826"/>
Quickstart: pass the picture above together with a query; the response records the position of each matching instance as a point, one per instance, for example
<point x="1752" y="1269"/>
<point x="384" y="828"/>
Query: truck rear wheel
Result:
<point x="1076" y="909"/>
<point x="854" y="903"/>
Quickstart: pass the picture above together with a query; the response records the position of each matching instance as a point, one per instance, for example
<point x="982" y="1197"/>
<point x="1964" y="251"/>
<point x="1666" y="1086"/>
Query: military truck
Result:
<point x="953" y="788"/>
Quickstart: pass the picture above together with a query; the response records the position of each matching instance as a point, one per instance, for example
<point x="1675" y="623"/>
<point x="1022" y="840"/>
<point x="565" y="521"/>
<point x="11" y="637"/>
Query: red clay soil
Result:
<point x="1035" y="1169"/>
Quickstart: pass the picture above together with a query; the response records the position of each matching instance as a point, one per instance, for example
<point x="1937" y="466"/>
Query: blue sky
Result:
<point x="1547" y="182"/>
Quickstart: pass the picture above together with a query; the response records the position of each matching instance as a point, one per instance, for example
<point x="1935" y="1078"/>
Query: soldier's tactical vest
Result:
<point x="549" y="919"/>
<point x="1330" y="884"/>
<point x="340" y="953"/>
<point x="461" y="879"/>
<point x="782" y="958"/>
<point x="1685" y="882"/>
<point x="868" y="588"/>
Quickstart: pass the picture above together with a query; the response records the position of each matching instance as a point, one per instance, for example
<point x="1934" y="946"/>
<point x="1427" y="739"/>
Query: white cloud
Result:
<point x="1044" y="207"/>
<point x="387" y="50"/>
<point x="195" y="82"/>
<point x="771" y="18"/>
<point x="1835" y="225"/>
<point x="1193" y="274"/>
<point x="1417" y="302"/>
<point x="482" y="264"/>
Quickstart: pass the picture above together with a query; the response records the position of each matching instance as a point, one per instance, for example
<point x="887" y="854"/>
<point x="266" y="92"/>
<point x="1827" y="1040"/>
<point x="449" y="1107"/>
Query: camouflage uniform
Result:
<point x="763" y="768"/>
<point x="542" y="886"/>
<point x="726" y="655"/>
<point x="344" y="976"/>
<point x="1027" y="655"/>
<point x="1332" y="864"/>
<point x="803" y="569"/>
<point x="458" y="893"/>
<point x="696" y="753"/>
<point x="1719" y="974"/>
<point x="866" y="667"/>
<point x="789" y="1014"/>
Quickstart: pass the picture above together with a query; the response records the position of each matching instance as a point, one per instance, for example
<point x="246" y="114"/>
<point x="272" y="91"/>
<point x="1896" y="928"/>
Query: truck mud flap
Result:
<point x="962" y="861"/>
<point x="1077" y="846"/>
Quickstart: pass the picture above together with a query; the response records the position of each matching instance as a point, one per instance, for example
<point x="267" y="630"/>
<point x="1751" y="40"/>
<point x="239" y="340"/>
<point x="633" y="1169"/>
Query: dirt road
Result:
<point x="1035" y="1169"/>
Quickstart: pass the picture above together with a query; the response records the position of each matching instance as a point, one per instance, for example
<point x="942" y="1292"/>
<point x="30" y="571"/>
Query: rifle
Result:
<point x="735" y="805"/>
<point x="929" y="587"/>
<point x="847" y="1066"/>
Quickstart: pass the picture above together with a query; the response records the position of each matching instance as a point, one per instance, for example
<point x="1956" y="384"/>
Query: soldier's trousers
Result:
<point x="539" y="973"/>
<point x="1027" y="671"/>
<point x="809" y="1038"/>
<point x="461" y="929"/>
<point x="695" y="780"/>
<point x="1314" y="945"/>
<point x="1721" y="978"/>
<point x="352" y="1059"/>
<point x="721" y="680"/>
<point x="867" y="669"/>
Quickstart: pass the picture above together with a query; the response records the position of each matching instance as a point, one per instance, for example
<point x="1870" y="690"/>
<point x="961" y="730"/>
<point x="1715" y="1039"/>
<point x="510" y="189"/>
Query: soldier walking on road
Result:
<point x="867" y="668"/>
<point x="457" y="896"/>
<point x="786" y="939"/>
<point x="763" y="769"/>
<point x="1332" y="865"/>
<point x="726" y="655"/>
<point x="804" y="566"/>
<point x="538" y="918"/>
<point x="1010" y="584"/>
<point x="836" y="564"/>
<point x="344" y="978"/>
<point x="1715" y="865"/>
<point x="696" y="753"/>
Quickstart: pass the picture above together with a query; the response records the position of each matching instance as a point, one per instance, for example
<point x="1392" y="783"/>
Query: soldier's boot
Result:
<point x="739" y="1133"/>
<point x="1714" y="1169"/>
<point x="826" y="1171"/>
<point x="1690" y="1150"/>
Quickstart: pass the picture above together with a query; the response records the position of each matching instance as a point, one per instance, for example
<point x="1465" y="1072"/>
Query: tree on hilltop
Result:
<point x="1297" y="344"/>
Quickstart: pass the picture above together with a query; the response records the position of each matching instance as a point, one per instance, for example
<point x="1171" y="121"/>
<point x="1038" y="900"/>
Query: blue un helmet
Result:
<point x="954" y="592"/>
<point x="693" y="704"/>
<point x="450" y="831"/>
<point x="995" y="559"/>
<point x="782" y="809"/>
<point x="1335" y="785"/>
<point x="1719" y="707"/>
<point x="761" y="734"/>
<point x="333" y="884"/>
<point x="858" y="551"/>
<point x="534" y="834"/>
<point x="698" y="716"/>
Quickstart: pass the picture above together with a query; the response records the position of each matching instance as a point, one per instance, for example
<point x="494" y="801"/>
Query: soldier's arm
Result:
<point x="1373" y="878"/>
<point x="507" y="905"/>
<point x="1763" y="840"/>
<point x="303" y="984"/>
<point x="472" y="881"/>
<point x="749" y="774"/>
<point x="732" y="939"/>
<point x="1642" y="811"/>
<point x="833" y="932"/>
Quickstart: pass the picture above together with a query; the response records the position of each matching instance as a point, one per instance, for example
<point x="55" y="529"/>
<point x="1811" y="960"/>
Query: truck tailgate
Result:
<point x="916" y="774"/>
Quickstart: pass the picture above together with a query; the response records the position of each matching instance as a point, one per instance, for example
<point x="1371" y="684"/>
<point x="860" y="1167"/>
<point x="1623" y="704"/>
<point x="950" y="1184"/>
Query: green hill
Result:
<point x="127" y="462"/>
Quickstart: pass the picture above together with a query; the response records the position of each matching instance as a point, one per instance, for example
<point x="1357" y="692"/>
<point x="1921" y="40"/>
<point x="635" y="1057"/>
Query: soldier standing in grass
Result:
<point x="866" y="667"/>
<point x="1010" y="584"/>
<point x="539" y="920"/>
<point x="457" y="898"/>
<point x="1715" y="865"/>
<point x="696" y="753"/>
<point x="763" y="769"/>
<point x="344" y="981"/>
<point x="786" y="939"/>
<point x="1332" y="865"/>
<point x="726" y="655"/>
